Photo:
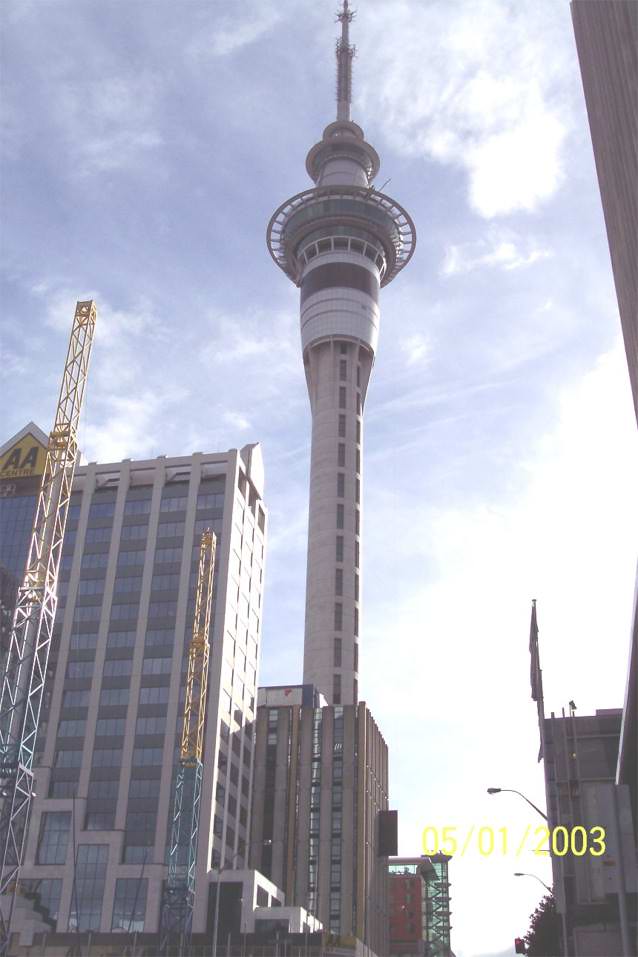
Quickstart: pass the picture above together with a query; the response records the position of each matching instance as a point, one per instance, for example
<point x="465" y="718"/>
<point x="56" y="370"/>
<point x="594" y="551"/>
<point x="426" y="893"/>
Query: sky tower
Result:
<point x="339" y="242"/>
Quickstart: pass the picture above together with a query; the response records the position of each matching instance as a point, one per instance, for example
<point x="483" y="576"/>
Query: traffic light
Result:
<point x="519" y="945"/>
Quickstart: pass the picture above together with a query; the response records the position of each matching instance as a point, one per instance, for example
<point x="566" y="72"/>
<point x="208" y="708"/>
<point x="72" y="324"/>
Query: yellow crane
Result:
<point x="30" y="642"/>
<point x="177" y="906"/>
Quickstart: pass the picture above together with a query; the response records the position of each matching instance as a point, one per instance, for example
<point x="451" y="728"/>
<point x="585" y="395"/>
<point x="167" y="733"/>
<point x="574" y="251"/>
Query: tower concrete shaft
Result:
<point x="339" y="242"/>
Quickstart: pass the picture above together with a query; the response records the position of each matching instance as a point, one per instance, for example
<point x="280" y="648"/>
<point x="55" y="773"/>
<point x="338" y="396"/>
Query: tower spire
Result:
<point x="345" y="54"/>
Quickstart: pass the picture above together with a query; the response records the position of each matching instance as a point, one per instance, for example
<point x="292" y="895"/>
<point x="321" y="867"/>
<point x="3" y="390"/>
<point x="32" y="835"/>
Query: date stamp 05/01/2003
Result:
<point x="558" y="841"/>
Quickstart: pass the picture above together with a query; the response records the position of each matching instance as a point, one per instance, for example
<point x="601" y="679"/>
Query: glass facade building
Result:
<point x="108" y="748"/>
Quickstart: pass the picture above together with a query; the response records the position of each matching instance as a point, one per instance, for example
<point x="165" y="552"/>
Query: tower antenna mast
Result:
<point x="345" y="55"/>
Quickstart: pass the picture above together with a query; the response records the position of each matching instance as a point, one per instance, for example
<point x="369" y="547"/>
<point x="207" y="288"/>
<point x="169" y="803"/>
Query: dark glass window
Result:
<point x="54" y="837"/>
<point x="129" y="904"/>
<point x="86" y="904"/>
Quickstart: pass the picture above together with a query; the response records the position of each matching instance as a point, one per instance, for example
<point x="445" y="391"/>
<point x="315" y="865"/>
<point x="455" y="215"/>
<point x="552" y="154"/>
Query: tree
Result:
<point x="543" y="936"/>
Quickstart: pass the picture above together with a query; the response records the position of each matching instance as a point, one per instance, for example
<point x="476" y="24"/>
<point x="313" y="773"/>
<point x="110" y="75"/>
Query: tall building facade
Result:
<point x="96" y="852"/>
<point x="607" y="43"/>
<point x="339" y="241"/>
<point x="320" y="793"/>
<point x="596" y="892"/>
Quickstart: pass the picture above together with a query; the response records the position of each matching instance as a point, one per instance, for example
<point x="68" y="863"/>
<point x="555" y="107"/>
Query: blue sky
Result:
<point x="146" y="144"/>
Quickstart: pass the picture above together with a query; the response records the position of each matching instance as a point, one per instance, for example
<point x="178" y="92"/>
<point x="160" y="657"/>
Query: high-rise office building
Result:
<point x="97" y="846"/>
<point x="320" y="810"/>
<point x="339" y="241"/>
<point x="607" y="43"/>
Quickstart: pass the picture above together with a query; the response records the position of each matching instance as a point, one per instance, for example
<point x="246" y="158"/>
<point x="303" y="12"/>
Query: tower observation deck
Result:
<point x="339" y="241"/>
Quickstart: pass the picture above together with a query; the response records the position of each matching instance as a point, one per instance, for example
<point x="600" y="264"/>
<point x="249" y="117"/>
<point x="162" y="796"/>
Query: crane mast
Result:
<point x="30" y="642"/>
<point x="177" y="906"/>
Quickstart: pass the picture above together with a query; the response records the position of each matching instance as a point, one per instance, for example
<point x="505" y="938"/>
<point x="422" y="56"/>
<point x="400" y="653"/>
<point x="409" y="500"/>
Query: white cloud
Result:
<point x="416" y="348"/>
<point x="131" y="426"/>
<point x="236" y="31"/>
<point x="499" y="249"/>
<point x="109" y="122"/>
<point x="237" y="420"/>
<point x="480" y="84"/>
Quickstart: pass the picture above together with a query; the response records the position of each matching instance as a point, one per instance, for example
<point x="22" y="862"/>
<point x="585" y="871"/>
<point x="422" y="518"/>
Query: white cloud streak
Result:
<point x="478" y="84"/>
<point x="500" y="249"/>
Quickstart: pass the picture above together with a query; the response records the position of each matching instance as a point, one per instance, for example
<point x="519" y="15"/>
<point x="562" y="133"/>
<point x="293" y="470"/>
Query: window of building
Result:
<point x="343" y="368"/>
<point x="71" y="728"/>
<point x="339" y="548"/>
<point x="110" y="726"/>
<point x="341" y="479"/>
<point x="358" y="431"/>
<point x="143" y="787"/>
<point x="84" y="642"/>
<point x="134" y="583"/>
<point x="342" y="397"/>
<point x="54" y="837"/>
<point x="174" y="504"/>
<point x="340" y="516"/>
<point x="130" y="532"/>
<point x="79" y="669"/>
<point x="342" y="426"/>
<point x="111" y="696"/>
<point x="103" y="789"/>
<point x="62" y="789"/>
<point x="159" y="636"/>
<point x="87" y="613"/>
<point x="164" y="582"/>
<point x="46" y="895"/>
<point x="94" y="560"/>
<point x="121" y="639"/>
<point x="95" y="535"/>
<point x="151" y="724"/>
<point x="157" y="666"/>
<point x="129" y="904"/>
<point x="337" y="652"/>
<point x="99" y="820"/>
<point x="135" y="557"/>
<point x="147" y="756"/>
<point x="341" y="455"/>
<point x="170" y="530"/>
<point x="336" y="689"/>
<point x="162" y="609"/>
<point x="107" y="757"/>
<point x="68" y="758"/>
<point x="356" y="587"/>
<point x="166" y="555"/>
<point x="338" y="616"/>
<point x="75" y="699"/>
<point x="139" y="506"/>
<point x="356" y="656"/>
<point x="117" y="667"/>
<point x="339" y="581"/>
<point x="356" y="552"/>
<point x="86" y="904"/>
<point x="91" y="586"/>
<point x="124" y="612"/>
<point x="357" y="490"/>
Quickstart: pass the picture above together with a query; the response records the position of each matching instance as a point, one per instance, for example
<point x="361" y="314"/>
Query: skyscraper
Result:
<point x="339" y="241"/>
<point x="112" y="716"/>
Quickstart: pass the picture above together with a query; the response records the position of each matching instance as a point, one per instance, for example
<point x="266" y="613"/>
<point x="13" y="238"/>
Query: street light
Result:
<point x="536" y="877"/>
<point x="511" y="791"/>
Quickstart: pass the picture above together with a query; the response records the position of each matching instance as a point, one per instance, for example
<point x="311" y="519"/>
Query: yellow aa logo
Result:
<point x="23" y="460"/>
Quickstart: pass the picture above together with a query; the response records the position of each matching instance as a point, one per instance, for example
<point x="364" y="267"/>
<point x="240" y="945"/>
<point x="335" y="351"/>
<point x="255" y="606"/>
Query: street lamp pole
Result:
<point x="520" y="794"/>
<point x="536" y="877"/>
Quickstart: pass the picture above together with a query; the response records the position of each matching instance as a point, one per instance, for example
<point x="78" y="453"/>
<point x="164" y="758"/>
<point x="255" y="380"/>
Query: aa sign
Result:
<point x="23" y="460"/>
